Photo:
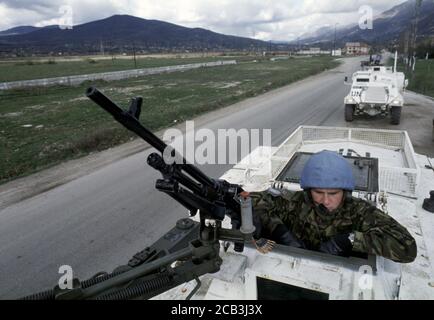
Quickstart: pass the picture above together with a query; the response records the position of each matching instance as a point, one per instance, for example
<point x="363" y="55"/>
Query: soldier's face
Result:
<point x="329" y="198"/>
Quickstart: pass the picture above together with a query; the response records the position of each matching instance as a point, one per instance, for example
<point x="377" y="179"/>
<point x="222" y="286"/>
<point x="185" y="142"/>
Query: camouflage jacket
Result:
<point x="375" y="232"/>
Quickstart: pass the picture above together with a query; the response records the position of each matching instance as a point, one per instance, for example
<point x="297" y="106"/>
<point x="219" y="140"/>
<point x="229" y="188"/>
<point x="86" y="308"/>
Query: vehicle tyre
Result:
<point x="395" y="114"/>
<point x="349" y="112"/>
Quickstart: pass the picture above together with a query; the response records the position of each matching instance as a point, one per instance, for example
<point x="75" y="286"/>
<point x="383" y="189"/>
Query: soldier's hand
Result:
<point x="282" y="235"/>
<point x="339" y="245"/>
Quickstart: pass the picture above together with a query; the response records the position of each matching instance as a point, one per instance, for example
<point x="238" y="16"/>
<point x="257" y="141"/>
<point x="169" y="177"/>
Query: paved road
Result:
<point x="97" y="221"/>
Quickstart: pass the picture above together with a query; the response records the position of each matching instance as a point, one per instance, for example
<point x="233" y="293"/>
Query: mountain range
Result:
<point x="120" y="33"/>
<point x="387" y="27"/>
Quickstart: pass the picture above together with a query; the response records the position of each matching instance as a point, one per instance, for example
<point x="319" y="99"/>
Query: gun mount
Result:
<point x="165" y="265"/>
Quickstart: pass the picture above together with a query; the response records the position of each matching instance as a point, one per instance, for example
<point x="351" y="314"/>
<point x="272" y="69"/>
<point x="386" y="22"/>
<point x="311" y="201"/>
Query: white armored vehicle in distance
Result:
<point x="376" y="90"/>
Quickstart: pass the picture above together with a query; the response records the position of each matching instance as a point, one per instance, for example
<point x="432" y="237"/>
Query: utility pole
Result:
<point x="134" y="54"/>
<point x="334" y="42"/>
<point x="413" y="36"/>
<point x="101" y="45"/>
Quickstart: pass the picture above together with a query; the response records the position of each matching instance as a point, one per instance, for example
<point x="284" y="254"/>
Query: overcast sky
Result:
<point x="260" y="19"/>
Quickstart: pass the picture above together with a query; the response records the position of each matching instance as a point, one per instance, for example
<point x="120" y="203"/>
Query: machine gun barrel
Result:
<point x="136" y="273"/>
<point x="129" y="121"/>
<point x="212" y="198"/>
<point x="125" y="118"/>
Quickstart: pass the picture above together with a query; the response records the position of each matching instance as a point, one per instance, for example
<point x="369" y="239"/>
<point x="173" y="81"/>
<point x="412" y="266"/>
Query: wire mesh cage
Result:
<point x="399" y="178"/>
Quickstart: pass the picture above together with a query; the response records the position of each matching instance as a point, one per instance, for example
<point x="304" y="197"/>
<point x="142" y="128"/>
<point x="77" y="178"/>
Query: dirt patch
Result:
<point x="230" y="85"/>
<point x="222" y="85"/>
<point x="78" y="99"/>
<point x="36" y="107"/>
<point x="183" y="98"/>
<point x="11" y="114"/>
<point x="170" y="85"/>
<point x="132" y="89"/>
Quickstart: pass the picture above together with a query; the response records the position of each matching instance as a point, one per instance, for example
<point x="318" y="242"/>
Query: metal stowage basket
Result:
<point x="398" y="177"/>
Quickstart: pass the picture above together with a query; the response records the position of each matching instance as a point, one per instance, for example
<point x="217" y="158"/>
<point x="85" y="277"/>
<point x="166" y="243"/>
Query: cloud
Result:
<point x="261" y="19"/>
<point x="36" y="5"/>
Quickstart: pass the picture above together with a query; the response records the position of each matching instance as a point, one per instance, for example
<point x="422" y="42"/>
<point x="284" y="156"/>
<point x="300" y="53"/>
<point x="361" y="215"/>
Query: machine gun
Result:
<point x="189" y="250"/>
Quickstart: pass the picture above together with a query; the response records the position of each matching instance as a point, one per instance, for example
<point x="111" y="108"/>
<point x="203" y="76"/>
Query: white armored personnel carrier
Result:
<point x="203" y="257"/>
<point x="376" y="90"/>
<point x="388" y="173"/>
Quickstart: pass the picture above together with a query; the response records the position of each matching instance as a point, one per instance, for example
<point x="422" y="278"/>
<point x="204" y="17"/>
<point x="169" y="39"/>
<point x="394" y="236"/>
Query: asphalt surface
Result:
<point x="98" y="220"/>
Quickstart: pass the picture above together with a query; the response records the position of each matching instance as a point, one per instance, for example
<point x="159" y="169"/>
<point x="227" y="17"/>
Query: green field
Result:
<point x="41" y="127"/>
<point x="422" y="80"/>
<point x="36" y="69"/>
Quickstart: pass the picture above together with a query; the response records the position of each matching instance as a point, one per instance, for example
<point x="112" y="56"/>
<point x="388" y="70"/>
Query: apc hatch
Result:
<point x="274" y="290"/>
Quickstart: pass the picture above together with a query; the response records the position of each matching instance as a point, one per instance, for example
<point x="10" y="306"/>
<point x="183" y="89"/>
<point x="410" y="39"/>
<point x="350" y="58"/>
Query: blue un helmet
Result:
<point x="327" y="170"/>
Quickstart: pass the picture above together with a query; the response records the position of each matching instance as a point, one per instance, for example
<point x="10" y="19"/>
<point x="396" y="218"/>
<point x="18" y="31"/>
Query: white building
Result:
<point x="356" y="48"/>
<point x="313" y="51"/>
<point x="337" y="52"/>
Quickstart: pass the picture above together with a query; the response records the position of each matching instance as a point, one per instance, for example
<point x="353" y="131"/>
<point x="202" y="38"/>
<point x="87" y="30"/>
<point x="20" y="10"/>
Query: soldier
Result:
<point x="325" y="217"/>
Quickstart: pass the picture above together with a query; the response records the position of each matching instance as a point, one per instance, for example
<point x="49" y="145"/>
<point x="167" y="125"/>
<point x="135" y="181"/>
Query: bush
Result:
<point x="25" y="63"/>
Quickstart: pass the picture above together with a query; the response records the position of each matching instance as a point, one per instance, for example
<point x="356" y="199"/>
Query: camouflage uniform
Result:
<point x="375" y="232"/>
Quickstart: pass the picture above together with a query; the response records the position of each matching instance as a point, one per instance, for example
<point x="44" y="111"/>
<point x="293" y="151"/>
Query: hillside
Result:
<point x="124" y="33"/>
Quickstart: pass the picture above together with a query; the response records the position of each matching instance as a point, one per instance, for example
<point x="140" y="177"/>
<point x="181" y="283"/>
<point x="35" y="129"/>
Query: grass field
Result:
<point x="41" y="127"/>
<point x="422" y="80"/>
<point x="35" y="69"/>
